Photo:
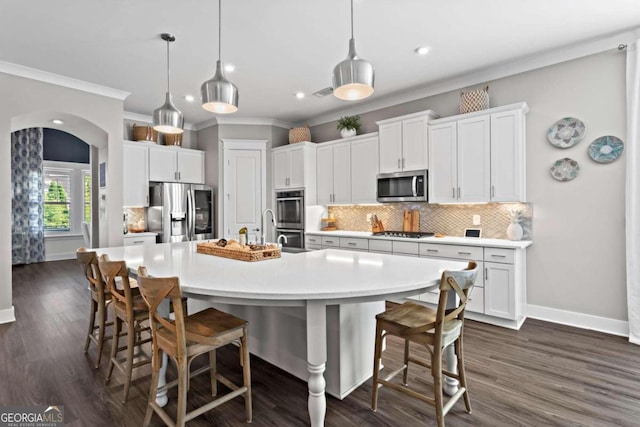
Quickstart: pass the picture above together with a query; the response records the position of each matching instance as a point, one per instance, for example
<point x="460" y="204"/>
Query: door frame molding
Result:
<point x="224" y="147"/>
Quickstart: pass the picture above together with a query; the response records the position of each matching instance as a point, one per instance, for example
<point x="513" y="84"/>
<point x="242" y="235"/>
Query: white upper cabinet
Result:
<point x="135" y="174"/>
<point x="403" y="142"/>
<point x="334" y="173"/>
<point x="176" y="164"/>
<point x="294" y="166"/>
<point x="364" y="170"/>
<point x="478" y="157"/>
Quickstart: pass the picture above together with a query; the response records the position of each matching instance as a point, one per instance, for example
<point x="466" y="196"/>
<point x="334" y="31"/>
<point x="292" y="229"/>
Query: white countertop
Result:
<point x="142" y="234"/>
<point x="328" y="275"/>
<point x="448" y="240"/>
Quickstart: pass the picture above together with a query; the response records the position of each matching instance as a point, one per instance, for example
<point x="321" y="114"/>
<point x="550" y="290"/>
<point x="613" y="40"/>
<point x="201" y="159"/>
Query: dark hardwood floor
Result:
<point x="544" y="374"/>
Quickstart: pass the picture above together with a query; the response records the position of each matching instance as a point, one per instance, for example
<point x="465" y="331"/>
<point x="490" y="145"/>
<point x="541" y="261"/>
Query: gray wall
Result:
<point x="577" y="261"/>
<point x="208" y="142"/>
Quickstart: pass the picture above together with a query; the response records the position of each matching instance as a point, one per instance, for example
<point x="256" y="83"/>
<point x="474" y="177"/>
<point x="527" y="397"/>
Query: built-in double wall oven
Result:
<point x="290" y="217"/>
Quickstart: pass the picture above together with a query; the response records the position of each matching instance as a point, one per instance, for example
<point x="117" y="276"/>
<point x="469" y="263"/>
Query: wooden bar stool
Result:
<point x="434" y="330"/>
<point x="100" y="299"/>
<point x="185" y="338"/>
<point x="128" y="308"/>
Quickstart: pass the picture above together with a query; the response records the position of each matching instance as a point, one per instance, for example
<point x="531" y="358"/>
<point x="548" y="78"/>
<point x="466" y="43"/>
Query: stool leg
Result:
<point x="405" y="371"/>
<point x="377" y="355"/>
<point x="117" y="325"/>
<point x="131" y="343"/>
<point x="92" y="319"/>
<point x="183" y="373"/>
<point x="102" y="320"/>
<point x="212" y="372"/>
<point x="246" y="373"/>
<point x="462" y="374"/>
<point x="436" y="370"/>
<point x="155" y="375"/>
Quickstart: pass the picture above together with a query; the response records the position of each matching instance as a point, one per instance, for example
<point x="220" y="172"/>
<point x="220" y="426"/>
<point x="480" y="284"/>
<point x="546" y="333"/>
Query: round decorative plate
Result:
<point x="566" y="132"/>
<point x="565" y="169"/>
<point x="606" y="149"/>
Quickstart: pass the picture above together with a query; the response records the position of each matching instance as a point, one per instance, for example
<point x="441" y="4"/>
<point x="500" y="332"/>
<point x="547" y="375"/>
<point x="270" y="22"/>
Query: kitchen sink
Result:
<point x="293" y="250"/>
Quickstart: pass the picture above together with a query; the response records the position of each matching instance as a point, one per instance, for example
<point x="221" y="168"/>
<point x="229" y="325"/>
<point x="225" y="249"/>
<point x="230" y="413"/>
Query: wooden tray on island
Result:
<point x="259" y="253"/>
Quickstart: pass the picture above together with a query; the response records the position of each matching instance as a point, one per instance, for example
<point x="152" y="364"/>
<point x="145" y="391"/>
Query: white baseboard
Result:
<point x="60" y="256"/>
<point x="579" y="320"/>
<point x="7" y="315"/>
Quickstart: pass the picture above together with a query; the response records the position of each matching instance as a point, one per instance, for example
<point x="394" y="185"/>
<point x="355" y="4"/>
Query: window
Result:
<point x="67" y="197"/>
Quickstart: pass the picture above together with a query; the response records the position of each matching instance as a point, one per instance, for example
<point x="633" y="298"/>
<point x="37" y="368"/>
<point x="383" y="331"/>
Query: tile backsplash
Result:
<point x="450" y="220"/>
<point x="136" y="217"/>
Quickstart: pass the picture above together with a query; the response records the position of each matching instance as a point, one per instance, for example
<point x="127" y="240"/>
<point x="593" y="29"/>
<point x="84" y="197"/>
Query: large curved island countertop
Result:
<point x="313" y="280"/>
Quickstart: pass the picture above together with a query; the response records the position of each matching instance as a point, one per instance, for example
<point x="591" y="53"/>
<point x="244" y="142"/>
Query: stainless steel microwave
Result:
<point x="409" y="186"/>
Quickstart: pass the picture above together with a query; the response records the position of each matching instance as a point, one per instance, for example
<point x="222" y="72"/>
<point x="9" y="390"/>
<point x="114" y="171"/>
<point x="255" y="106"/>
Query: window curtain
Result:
<point x="632" y="214"/>
<point x="27" y="245"/>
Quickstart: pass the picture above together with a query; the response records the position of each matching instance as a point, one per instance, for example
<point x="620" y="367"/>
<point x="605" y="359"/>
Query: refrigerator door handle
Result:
<point x="190" y="225"/>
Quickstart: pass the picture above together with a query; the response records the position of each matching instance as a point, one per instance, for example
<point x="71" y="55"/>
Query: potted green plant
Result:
<point x="348" y="126"/>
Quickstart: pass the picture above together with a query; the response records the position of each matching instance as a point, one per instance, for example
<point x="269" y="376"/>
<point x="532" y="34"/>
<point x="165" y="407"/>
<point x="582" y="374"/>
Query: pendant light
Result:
<point x="353" y="78"/>
<point x="219" y="95"/>
<point x="168" y="119"/>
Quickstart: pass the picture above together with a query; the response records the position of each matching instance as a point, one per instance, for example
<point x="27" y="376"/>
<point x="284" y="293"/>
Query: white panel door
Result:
<point x="296" y="167"/>
<point x="162" y="164"/>
<point x="414" y="144"/>
<point x="507" y="157"/>
<point x="390" y="136"/>
<point x="243" y="185"/>
<point x="442" y="163"/>
<point x="499" y="290"/>
<point x="280" y="169"/>
<point x="191" y="166"/>
<point x="325" y="175"/>
<point x="341" y="173"/>
<point x="364" y="169"/>
<point x="474" y="161"/>
<point x="135" y="167"/>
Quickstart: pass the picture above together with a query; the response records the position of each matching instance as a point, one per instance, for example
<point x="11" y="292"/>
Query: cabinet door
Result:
<point x="390" y="136"/>
<point x="162" y="164"/>
<point x="474" y="174"/>
<point x="341" y="173"/>
<point x="364" y="169"/>
<point x="442" y="163"/>
<point x="296" y="167"/>
<point x="507" y="157"/>
<point x="135" y="174"/>
<point x="325" y="175"/>
<point x="499" y="290"/>
<point x="191" y="166"/>
<point x="414" y="144"/>
<point x="280" y="169"/>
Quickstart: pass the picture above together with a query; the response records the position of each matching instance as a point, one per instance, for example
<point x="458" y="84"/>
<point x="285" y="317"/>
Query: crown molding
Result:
<point x="148" y="119"/>
<point x="56" y="79"/>
<point x="483" y="75"/>
<point x="248" y="121"/>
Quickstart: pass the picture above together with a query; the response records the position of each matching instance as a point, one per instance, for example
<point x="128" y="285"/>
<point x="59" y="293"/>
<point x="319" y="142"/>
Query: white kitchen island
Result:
<point x="312" y="281"/>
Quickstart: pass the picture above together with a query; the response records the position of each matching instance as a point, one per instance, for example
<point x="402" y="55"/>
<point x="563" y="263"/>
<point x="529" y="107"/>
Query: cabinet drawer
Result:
<point x="354" y="243"/>
<point x="331" y="241"/>
<point x="505" y="256"/>
<point x="409" y="248"/>
<point x="471" y="253"/>
<point x="312" y="240"/>
<point x="380" y="245"/>
<point x="139" y="240"/>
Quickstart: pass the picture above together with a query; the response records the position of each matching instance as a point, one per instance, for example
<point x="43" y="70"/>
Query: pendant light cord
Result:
<point x="168" y="68"/>
<point x="219" y="29"/>
<point x="351" y="18"/>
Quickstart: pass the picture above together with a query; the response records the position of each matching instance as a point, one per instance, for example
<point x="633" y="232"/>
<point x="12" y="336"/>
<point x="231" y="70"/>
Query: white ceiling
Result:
<point x="283" y="46"/>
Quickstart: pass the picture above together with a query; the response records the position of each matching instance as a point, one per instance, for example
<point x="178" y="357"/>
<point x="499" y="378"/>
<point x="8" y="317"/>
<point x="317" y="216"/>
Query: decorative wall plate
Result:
<point x="566" y="132"/>
<point x="565" y="169"/>
<point x="606" y="149"/>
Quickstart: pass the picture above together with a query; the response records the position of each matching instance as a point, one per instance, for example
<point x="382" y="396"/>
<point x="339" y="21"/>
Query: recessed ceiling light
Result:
<point x="299" y="95"/>
<point x="422" y="50"/>
<point x="189" y="98"/>
<point x="229" y="68"/>
<point x="57" y="122"/>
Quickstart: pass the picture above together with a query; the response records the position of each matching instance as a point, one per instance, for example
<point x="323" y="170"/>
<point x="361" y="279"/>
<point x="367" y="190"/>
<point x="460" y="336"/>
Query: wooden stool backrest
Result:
<point x="89" y="262"/>
<point x="110" y="270"/>
<point x="461" y="282"/>
<point x="154" y="290"/>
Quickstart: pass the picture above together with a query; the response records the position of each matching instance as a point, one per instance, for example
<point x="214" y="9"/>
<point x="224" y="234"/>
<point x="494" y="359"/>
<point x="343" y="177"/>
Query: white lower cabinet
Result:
<point x="500" y="289"/>
<point x="134" y="239"/>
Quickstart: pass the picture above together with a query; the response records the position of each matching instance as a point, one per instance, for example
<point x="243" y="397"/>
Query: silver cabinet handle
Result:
<point x="329" y="241"/>
<point x="493" y="191"/>
<point x="403" y="163"/>
<point x="458" y="192"/>
<point x="432" y="250"/>
<point x="464" y="253"/>
<point x="311" y="240"/>
<point x="135" y="242"/>
<point x="351" y="244"/>
<point x="486" y="273"/>
<point x="399" y="166"/>
<point x="498" y="256"/>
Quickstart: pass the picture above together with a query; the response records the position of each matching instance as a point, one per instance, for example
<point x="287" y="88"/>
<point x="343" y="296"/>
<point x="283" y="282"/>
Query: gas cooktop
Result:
<point x="409" y="234"/>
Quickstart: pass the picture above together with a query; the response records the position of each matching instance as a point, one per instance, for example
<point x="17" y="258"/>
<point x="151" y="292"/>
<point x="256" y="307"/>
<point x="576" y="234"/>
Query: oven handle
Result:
<point x="289" y="230"/>
<point x="287" y="199"/>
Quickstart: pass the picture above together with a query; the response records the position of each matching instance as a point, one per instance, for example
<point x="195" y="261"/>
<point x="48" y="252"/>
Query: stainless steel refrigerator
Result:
<point x="180" y="212"/>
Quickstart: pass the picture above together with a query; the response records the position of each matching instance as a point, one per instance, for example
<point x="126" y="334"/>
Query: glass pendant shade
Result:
<point x="219" y="95"/>
<point x="354" y="77"/>
<point x="168" y="119"/>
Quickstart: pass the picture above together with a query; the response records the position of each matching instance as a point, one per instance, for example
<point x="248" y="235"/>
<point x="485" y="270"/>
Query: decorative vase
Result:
<point x="346" y="133"/>
<point x="514" y="231"/>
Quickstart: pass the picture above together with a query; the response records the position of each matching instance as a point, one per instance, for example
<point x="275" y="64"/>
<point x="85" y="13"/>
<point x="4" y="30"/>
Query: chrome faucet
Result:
<point x="282" y="236"/>
<point x="263" y="237"/>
